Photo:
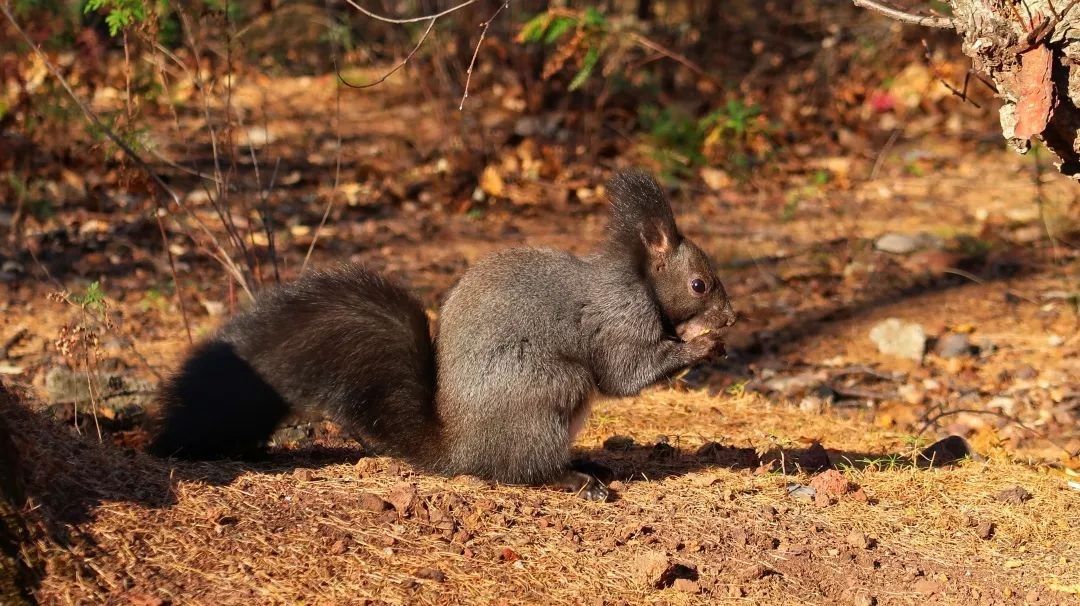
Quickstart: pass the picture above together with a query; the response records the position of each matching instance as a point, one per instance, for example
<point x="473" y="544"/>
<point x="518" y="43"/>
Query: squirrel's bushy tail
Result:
<point x="346" y="343"/>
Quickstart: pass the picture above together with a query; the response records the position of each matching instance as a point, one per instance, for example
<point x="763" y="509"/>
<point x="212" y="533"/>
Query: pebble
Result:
<point x="897" y="244"/>
<point x="619" y="443"/>
<point x="946" y="451"/>
<point x="859" y="540"/>
<point x="1014" y="495"/>
<point x="898" y="338"/>
<point x="953" y="345"/>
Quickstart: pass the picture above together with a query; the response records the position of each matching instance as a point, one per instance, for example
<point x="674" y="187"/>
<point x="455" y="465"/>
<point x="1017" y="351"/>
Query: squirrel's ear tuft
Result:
<point x="640" y="213"/>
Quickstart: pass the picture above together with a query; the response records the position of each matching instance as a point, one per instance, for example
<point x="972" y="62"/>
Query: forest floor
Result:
<point x="713" y="502"/>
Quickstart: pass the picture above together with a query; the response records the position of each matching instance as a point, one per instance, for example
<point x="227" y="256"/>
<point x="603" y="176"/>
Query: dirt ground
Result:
<point x="712" y="502"/>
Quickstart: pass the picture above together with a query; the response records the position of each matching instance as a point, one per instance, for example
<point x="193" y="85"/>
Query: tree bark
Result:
<point x="1031" y="53"/>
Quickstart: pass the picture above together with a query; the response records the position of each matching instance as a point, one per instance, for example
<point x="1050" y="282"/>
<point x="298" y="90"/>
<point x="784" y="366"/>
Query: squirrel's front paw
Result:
<point x="705" y="346"/>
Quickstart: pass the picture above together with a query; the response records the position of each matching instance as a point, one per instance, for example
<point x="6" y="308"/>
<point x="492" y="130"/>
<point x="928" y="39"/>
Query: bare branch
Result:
<point x="420" y="43"/>
<point x="410" y="19"/>
<point x="674" y="56"/>
<point x="337" y="172"/>
<point x="483" y="32"/>
<point x="905" y="17"/>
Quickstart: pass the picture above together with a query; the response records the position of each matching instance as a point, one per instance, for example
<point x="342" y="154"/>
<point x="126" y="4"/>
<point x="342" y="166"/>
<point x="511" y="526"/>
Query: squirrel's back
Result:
<point x="345" y="342"/>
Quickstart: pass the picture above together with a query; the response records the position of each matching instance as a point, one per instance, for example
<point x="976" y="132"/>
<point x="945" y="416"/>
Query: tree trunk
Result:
<point x="1031" y="53"/>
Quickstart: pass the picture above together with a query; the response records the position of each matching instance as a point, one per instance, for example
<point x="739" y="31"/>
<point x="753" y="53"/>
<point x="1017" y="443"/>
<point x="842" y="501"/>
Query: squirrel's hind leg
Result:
<point x="581" y="484"/>
<point x="597" y="470"/>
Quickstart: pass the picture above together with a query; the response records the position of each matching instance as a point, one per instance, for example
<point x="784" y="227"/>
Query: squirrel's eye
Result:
<point x="698" y="285"/>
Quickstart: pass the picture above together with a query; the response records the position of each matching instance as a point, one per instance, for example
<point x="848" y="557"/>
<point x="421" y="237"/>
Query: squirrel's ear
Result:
<point x="640" y="213"/>
<point x="657" y="238"/>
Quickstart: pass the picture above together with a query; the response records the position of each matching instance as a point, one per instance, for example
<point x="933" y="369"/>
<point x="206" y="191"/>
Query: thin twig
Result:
<point x="674" y="56"/>
<point x="410" y="19"/>
<point x="219" y="201"/>
<point x="905" y="17"/>
<point x="996" y="413"/>
<point x="176" y="279"/>
<point x="268" y="223"/>
<point x="884" y="152"/>
<point x="337" y="174"/>
<point x="976" y="279"/>
<point x="476" y="51"/>
<point x="400" y="65"/>
<point x="937" y="74"/>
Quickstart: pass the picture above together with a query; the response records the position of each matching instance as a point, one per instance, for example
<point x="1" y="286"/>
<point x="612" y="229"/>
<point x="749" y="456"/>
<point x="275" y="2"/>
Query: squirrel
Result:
<point x="525" y="340"/>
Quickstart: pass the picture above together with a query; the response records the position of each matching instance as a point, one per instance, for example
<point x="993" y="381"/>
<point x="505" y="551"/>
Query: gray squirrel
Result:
<point x="525" y="341"/>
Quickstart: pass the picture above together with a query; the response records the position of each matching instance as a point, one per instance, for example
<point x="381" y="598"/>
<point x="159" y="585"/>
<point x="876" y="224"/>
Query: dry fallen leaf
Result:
<point x="492" y="183"/>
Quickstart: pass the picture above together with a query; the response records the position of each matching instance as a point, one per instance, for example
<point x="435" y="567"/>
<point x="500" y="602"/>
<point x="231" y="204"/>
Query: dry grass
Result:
<point x="119" y="527"/>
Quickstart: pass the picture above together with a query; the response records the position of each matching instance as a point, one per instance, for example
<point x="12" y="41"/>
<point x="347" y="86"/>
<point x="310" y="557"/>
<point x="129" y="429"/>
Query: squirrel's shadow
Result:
<point x="63" y="477"/>
<point x="643" y="463"/>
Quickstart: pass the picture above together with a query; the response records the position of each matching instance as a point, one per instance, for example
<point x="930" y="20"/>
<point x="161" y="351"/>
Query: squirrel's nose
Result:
<point x="729" y="314"/>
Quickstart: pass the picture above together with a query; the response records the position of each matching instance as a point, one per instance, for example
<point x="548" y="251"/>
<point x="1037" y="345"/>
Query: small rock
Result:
<point x="822" y="499"/>
<point x="798" y="491"/>
<point x="897" y="244"/>
<point x="985" y="531"/>
<point x="675" y="572"/>
<point x="303" y="475"/>
<point x="662" y="450"/>
<point x="527" y="126"/>
<point x="927" y="586"/>
<point x="755" y="572"/>
<point x="865" y="600"/>
<point x="431" y="574"/>
<point x="617" y="486"/>
<point x="911" y="394"/>
<point x="1005" y="404"/>
<point x="953" y="345"/>
<point x="686" y="586"/>
<point x="832" y="483"/>
<point x="145" y="599"/>
<point x="10" y="369"/>
<point x="649" y="567"/>
<point x="715" y="179"/>
<point x="213" y="309"/>
<point x="370" y="502"/>
<point x="793" y="385"/>
<point x="64" y="385"/>
<point x="897" y="338"/>
<point x="1014" y="496"/>
<point x="366" y="466"/>
<point x="404" y="498"/>
<point x="859" y="540"/>
<point x="815" y="458"/>
<point x="619" y="443"/>
<point x="1025" y="373"/>
<point x="946" y="451"/>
